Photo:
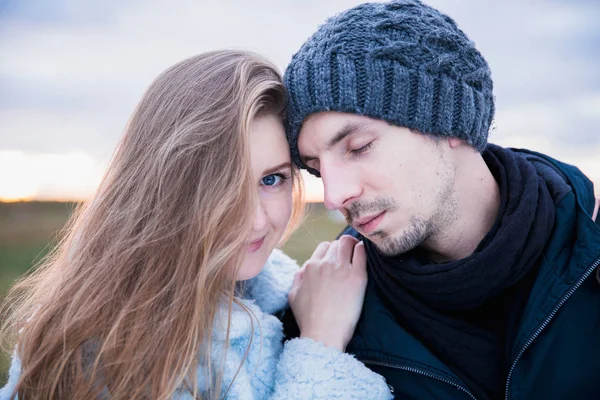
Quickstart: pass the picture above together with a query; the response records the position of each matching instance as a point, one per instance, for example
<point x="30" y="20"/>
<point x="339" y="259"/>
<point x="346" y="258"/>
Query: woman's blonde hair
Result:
<point x="124" y="306"/>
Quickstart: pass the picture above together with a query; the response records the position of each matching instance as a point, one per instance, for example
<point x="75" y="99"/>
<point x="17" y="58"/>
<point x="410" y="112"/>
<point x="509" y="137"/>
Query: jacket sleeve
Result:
<point x="13" y="376"/>
<point x="310" y="370"/>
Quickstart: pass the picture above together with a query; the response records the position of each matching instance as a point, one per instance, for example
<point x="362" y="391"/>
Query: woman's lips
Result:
<point x="255" y="245"/>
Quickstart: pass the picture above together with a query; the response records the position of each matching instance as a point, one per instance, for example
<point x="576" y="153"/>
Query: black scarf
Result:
<point x="461" y="310"/>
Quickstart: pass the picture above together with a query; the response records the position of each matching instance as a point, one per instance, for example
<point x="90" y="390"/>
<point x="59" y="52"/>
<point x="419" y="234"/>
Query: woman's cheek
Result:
<point x="279" y="205"/>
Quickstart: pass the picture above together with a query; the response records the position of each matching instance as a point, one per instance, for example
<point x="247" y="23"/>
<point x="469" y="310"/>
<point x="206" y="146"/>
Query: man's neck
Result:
<point x="478" y="202"/>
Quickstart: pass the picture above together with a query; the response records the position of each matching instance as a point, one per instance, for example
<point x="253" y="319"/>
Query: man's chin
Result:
<point x="391" y="246"/>
<point x="379" y="239"/>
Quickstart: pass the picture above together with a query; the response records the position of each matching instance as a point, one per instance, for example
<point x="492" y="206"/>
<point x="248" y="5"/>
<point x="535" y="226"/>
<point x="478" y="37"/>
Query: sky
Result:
<point x="72" y="71"/>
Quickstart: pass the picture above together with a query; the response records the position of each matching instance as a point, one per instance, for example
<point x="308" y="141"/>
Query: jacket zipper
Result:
<point x="547" y="321"/>
<point x="421" y="372"/>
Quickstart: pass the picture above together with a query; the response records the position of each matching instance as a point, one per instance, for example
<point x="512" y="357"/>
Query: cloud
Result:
<point x="40" y="130"/>
<point x="567" y="127"/>
<point x="62" y="12"/>
<point x="48" y="176"/>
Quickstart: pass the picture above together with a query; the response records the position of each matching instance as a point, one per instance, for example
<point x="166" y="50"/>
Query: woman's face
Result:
<point x="271" y="169"/>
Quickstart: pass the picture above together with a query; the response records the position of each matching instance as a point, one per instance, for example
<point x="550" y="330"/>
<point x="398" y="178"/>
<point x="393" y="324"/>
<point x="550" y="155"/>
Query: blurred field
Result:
<point x="27" y="229"/>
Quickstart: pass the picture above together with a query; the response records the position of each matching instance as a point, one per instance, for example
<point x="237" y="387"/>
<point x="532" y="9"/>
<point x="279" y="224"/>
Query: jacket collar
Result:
<point x="573" y="248"/>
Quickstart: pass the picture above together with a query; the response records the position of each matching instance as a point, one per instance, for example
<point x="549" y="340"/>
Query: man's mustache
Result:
<point x="359" y="208"/>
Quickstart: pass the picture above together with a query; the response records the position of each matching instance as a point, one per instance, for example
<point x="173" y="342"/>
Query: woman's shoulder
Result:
<point x="13" y="376"/>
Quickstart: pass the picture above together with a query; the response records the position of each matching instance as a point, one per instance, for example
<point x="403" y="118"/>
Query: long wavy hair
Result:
<point x="124" y="306"/>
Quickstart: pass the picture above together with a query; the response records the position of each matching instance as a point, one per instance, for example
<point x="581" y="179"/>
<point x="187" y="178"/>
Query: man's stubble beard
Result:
<point x="420" y="229"/>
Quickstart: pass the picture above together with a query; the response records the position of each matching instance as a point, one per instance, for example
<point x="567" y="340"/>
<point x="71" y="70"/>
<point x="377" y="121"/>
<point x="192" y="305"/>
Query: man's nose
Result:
<point x="341" y="185"/>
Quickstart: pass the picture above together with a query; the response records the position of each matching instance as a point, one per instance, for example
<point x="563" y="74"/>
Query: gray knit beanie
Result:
<point x="402" y="62"/>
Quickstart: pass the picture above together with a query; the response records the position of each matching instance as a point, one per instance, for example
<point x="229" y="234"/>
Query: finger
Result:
<point x="359" y="258"/>
<point x="332" y="252"/>
<point x="349" y="239"/>
<point x="297" y="279"/>
<point x="292" y="295"/>
<point x="295" y="285"/>
<point x="303" y="267"/>
<point x="345" y="250"/>
<point x="321" y="250"/>
<point x="300" y="272"/>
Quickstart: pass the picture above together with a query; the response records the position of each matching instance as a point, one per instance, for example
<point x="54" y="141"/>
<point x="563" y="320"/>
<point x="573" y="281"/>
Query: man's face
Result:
<point x="395" y="186"/>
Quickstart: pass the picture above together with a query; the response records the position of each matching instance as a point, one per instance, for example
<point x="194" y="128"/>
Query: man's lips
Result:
<point x="368" y="224"/>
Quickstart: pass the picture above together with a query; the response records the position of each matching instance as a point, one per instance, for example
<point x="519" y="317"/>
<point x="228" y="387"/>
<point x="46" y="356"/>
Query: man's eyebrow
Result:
<point x="277" y="168"/>
<point x="348" y="129"/>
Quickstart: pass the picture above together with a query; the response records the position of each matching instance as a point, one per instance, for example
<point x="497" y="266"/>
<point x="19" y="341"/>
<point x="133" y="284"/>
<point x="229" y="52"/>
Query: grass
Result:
<point x="26" y="229"/>
<point x="15" y="260"/>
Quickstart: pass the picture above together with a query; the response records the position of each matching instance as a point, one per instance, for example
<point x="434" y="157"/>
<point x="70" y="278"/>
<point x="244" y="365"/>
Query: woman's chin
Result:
<point x="253" y="264"/>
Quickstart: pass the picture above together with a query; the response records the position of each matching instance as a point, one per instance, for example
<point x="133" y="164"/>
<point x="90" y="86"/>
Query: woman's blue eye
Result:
<point x="271" y="180"/>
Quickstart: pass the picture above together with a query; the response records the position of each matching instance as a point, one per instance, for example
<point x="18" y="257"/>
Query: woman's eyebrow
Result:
<point x="283" y="165"/>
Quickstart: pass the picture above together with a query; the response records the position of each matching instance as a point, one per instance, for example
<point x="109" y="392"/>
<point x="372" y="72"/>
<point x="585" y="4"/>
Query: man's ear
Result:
<point x="454" y="142"/>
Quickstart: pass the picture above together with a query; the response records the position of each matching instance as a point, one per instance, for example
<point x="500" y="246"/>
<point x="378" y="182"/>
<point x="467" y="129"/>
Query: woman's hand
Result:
<point x="327" y="293"/>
